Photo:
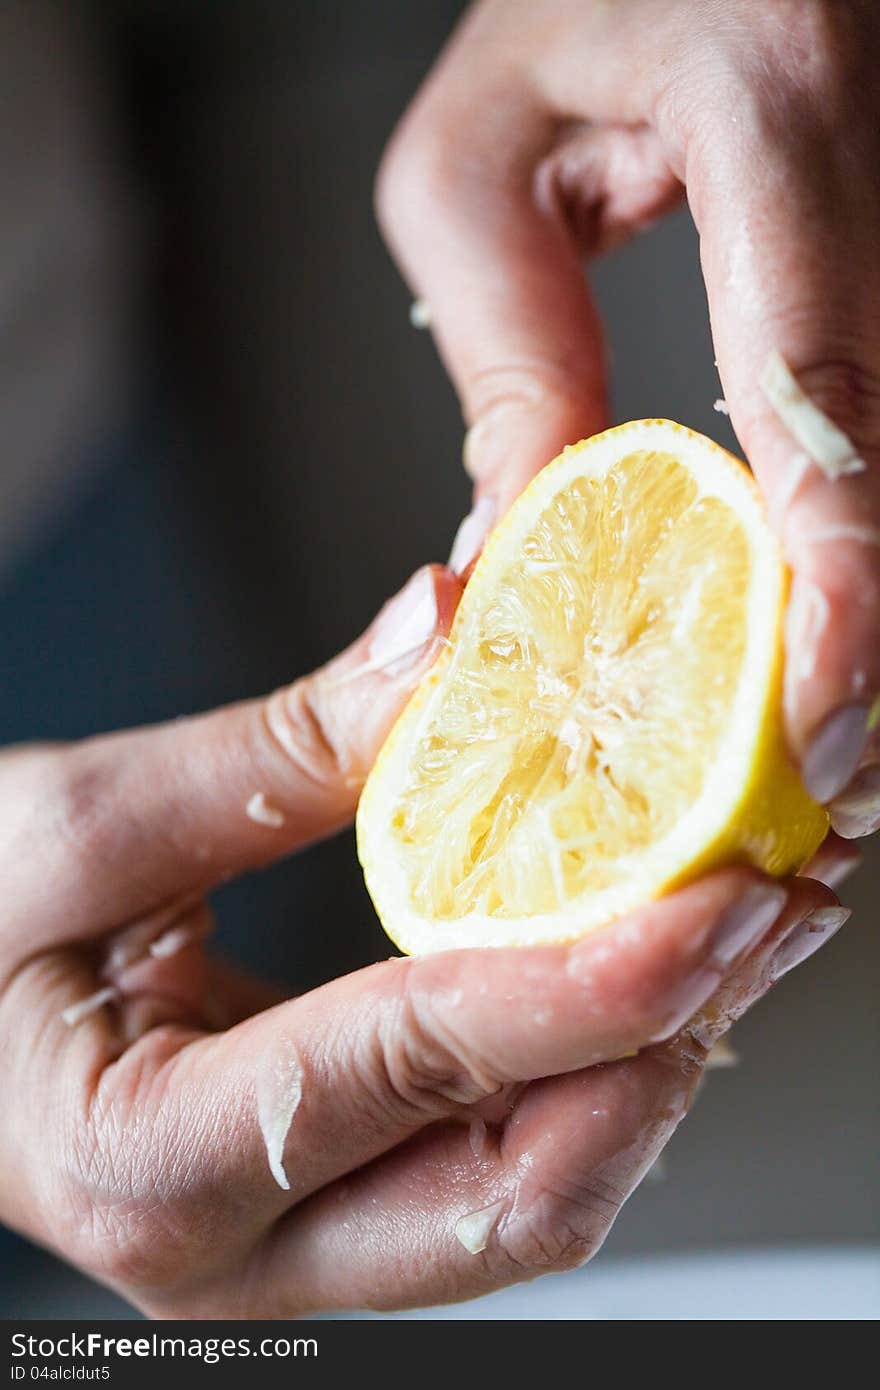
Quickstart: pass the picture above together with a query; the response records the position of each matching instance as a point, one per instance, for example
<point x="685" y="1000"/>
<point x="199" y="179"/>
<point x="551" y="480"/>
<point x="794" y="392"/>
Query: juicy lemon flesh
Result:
<point x="583" y="714"/>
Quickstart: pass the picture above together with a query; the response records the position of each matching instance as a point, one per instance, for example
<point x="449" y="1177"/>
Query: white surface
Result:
<point x="811" y="1284"/>
<point x="814" y="1283"/>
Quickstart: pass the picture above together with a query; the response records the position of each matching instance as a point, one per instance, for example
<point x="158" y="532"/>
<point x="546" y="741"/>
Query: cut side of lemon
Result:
<point x="605" y="724"/>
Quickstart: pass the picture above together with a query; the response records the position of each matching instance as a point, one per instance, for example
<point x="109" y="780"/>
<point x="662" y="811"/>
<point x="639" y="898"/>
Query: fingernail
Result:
<point x="834" y="753"/>
<point x="471" y="533"/>
<point x="806" y="938"/>
<point x="740" y="927"/>
<point x="856" y="812"/>
<point x="743" y="924"/>
<point x="405" y="625"/>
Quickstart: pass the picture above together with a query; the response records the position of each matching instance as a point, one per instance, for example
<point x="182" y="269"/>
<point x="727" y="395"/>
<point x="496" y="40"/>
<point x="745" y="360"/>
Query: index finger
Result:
<point x="497" y="267"/>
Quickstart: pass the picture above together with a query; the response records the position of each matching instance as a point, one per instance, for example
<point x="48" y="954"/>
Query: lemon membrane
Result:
<point x="606" y="722"/>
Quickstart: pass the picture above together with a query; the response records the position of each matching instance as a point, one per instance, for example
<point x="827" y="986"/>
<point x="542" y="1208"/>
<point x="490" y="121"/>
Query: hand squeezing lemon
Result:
<point x="606" y="723"/>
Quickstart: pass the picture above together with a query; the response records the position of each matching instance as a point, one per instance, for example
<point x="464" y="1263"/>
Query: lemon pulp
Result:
<point x="538" y="777"/>
<point x="606" y="722"/>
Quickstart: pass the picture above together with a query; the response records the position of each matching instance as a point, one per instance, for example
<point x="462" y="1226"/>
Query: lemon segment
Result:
<point x="605" y="724"/>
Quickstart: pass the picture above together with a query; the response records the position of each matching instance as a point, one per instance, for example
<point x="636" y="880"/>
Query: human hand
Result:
<point x="208" y="1151"/>
<point x="551" y="130"/>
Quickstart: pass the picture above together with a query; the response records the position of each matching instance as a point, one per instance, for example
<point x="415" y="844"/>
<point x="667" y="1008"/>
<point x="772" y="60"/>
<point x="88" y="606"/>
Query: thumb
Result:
<point x="142" y="817"/>
<point x="794" y="322"/>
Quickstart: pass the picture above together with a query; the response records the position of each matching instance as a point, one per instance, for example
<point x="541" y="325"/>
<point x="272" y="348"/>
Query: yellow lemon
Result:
<point x="605" y="723"/>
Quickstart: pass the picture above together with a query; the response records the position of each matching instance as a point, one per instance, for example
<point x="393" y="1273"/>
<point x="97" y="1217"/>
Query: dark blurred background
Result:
<point x="224" y="446"/>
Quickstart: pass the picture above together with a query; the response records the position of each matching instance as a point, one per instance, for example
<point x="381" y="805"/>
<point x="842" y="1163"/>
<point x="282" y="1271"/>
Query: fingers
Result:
<point x="856" y="811"/>
<point x="497" y="265"/>
<point x="294" y="1098"/>
<point x="246" y="1123"/>
<point x="776" y="955"/>
<point x="788" y="235"/>
<point x="496" y="185"/>
<point x="120" y="825"/>
<point x="501" y="272"/>
<point x="448" y="1218"/>
<point x="470" y="1207"/>
<point x="489" y="231"/>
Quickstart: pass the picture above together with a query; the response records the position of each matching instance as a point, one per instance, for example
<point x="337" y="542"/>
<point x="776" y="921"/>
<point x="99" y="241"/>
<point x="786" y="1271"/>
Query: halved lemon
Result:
<point x="606" y="723"/>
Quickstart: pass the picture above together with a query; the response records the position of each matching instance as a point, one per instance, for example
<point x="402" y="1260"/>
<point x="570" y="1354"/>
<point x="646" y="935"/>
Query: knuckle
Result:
<point x="536" y="384"/>
<point x="549" y="402"/>
<point x="76" y="1186"/>
<point x="130" y="1216"/>
<point x="420" y="175"/>
<point x="114" y="1247"/>
<point x="104" y="1227"/>
<point x="401" y="176"/>
<point x="300" y="727"/>
<point x="388" y="184"/>
<point x="561" y="1228"/>
<point x="424" y="1069"/>
<point x="848" y="391"/>
<point x="83" y="809"/>
<point x="796" y="74"/>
